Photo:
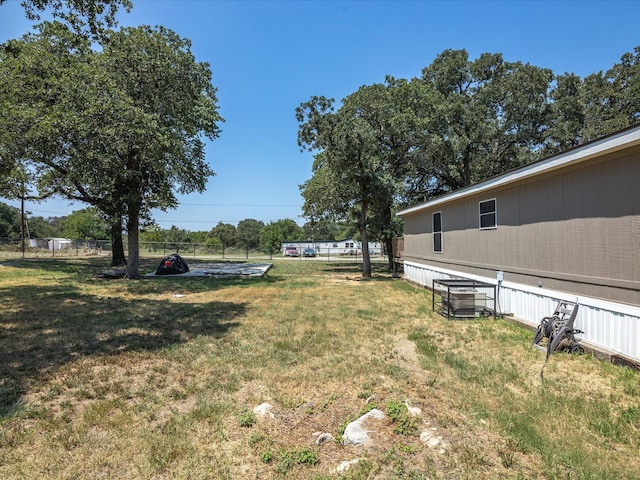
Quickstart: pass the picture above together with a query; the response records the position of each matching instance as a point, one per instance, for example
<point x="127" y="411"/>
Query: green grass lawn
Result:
<point x="158" y="378"/>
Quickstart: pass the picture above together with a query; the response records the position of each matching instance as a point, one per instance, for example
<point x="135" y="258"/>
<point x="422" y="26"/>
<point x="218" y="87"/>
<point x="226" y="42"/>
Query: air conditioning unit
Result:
<point x="465" y="302"/>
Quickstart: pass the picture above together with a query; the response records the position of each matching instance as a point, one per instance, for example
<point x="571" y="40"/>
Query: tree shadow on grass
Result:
<point x="79" y="266"/>
<point x="57" y="325"/>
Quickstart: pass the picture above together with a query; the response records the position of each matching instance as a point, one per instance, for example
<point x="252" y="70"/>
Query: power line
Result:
<point x="214" y="221"/>
<point x="235" y="205"/>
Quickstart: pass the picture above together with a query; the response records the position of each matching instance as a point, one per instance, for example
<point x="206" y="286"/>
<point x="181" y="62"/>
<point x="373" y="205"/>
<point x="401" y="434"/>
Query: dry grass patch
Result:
<point x="158" y="379"/>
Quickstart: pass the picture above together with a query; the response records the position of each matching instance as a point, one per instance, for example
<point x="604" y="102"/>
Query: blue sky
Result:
<point x="267" y="57"/>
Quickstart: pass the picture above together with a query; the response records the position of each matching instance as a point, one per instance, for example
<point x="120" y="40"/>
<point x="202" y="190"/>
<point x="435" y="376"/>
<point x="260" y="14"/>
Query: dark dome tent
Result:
<point x="172" y="265"/>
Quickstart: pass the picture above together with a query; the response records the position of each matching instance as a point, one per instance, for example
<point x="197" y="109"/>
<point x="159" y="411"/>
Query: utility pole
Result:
<point x="22" y="221"/>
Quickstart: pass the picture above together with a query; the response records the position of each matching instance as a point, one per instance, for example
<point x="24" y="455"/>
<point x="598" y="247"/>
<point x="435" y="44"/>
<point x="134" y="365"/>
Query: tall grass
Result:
<point x="157" y="378"/>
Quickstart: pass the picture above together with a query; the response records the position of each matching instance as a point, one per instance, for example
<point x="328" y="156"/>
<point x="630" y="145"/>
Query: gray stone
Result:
<point x="323" y="437"/>
<point x="432" y="440"/>
<point x="263" y="410"/>
<point x="344" y="466"/>
<point x="356" y="433"/>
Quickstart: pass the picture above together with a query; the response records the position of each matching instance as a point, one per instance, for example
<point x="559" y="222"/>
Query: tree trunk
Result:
<point x="118" y="258"/>
<point x="133" y="221"/>
<point x="364" y="239"/>
<point x="466" y="170"/>
<point x="387" y="240"/>
<point x="388" y="246"/>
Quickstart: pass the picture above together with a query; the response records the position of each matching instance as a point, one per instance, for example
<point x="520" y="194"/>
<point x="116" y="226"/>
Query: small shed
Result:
<point x="56" y="244"/>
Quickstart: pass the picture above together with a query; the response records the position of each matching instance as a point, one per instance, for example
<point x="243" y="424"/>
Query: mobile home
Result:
<point x="564" y="228"/>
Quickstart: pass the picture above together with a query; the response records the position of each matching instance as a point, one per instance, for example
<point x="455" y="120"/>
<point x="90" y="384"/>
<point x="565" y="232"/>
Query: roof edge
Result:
<point x="627" y="138"/>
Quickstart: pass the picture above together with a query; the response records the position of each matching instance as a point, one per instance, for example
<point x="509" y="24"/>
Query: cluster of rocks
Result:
<point x="359" y="432"/>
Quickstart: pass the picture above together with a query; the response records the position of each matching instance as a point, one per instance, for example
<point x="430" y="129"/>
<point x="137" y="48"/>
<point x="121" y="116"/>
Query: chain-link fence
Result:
<point x="51" y="247"/>
<point x="64" y="247"/>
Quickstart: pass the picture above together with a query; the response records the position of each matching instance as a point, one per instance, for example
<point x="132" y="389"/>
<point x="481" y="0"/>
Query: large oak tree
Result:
<point x="494" y="115"/>
<point x="120" y="128"/>
<point x="349" y="172"/>
<point x="406" y="139"/>
<point x="367" y="150"/>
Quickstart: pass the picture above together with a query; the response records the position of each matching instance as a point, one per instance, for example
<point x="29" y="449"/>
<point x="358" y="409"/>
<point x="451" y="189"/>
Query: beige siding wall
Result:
<point x="574" y="230"/>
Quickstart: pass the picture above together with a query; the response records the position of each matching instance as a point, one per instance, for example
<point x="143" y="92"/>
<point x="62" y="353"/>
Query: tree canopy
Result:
<point x="177" y="238"/>
<point x="84" y="16"/>
<point x="9" y="221"/>
<point x="273" y="234"/>
<point x="226" y="233"/>
<point x="120" y="128"/>
<point x="86" y="224"/>
<point x="248" y="233"/>
<point x="462" y="121"/>
<point x="41" y="227"/>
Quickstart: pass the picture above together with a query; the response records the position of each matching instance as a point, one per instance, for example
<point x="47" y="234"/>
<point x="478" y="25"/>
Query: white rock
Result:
<point x="355" y="433"/>
<point x="344" y="466"/>
<point x="432" y="440"/>
<point x="264" y="409"/>
<point x="323" y="437"/>
<point x="414" y="411"/>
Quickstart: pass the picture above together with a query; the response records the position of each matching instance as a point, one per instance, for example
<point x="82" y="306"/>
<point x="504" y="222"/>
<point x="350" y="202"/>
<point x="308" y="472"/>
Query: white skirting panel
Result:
<point x="610" y="326"/>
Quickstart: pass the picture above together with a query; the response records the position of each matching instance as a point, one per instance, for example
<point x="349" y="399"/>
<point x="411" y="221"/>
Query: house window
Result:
<point x="488" y="214"/>
<point x="437" y="232"/>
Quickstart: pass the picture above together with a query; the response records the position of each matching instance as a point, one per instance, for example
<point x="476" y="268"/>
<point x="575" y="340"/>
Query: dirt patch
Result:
<point x="405" y="350"/>
<point x="178" y="407"/>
